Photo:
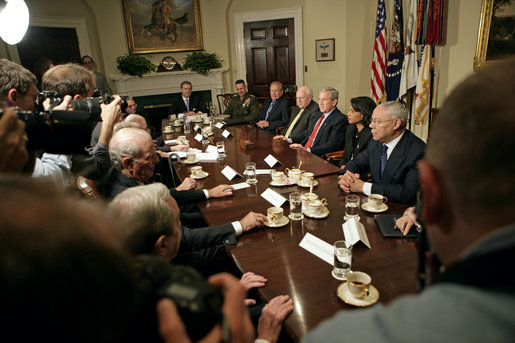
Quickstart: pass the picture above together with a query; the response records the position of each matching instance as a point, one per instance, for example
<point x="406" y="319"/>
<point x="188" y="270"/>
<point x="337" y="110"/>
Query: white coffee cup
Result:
<point x="167" y="129"/>
<point x="172" y="117"/>
<point x="358" y="284"/>
<point x="307" y="178"/>
<point x="294" y="174"/>
<point x="376" y="200"/>
<point x="191" y="156"/>
<point x="315" y="206"/>
<point x="197" y="171"/>
<point x="275" y="214"/>
<point x="306" y="198"/>
<point x="277" y="176"/>
<point x="177" y="122"/>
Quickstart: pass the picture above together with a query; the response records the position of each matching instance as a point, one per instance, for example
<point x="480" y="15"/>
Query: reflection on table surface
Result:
<point x="275" y="253"/>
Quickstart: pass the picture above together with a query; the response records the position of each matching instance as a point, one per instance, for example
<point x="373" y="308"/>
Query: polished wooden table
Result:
<point x="275" y="253"/>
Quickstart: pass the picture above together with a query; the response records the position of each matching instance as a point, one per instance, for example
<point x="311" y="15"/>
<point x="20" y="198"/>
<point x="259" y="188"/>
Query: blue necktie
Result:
<point x="384" y="158"/>
<point x="269" y="109"/>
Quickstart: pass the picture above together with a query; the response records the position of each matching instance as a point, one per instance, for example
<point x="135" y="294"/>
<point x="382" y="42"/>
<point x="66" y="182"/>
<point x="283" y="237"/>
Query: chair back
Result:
<point x="224" y="100"/>
<point x="88" y="188"/>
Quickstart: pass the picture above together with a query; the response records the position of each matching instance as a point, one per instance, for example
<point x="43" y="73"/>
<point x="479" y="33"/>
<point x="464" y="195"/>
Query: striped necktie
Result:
<point x="292" y="125"/>
<point x="269" y="109"/>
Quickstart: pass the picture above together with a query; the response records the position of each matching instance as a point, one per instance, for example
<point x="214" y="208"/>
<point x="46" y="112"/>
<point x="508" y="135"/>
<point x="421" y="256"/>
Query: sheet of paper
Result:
<point x="212" y="149"/>
<point x="171" y="142"/>
<point x="354" y="232"/>
<point x="226" y="133"/>
<point x="198" y="137"/>
<point x="273" y="197"/>
<point x="318" y="247"/>
<point x="196" y="127"/>
<point x="271" y="160"/>
<point x="207" y="156"/>
<point x="219" y="125"/>
<point x="260" y="172"/>
<point x="229" y="173"/>
<point x="240" y="185"/>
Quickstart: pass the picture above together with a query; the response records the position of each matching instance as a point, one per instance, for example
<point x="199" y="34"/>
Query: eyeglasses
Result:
<point x="376" y="121"/>
<point x="301" y="97"/>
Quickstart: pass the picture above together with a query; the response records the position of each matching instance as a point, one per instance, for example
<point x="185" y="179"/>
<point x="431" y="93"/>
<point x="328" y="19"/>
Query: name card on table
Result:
<point x="207" y="157"/>
<point x="273" y="197"/>
<point x="171" y="142"/>
<point x="240" y="185"/>
<point x="226" y="133"/>
<point x="260" y="172"/>
<point x="354" y="232"/>
<point x="271" y="160"/>
<point x="198" y="137"/>
<point x="212" y="149"/>
<point x="229" y="173"/>
<point x="219" y="125"/>
<point x="196" y="127"/>
<point x="318" y="247"/>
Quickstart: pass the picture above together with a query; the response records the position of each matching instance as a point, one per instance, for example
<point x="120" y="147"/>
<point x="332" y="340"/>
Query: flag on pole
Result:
<point x="409" y="67"/>
<point x="395" y="54"/>
<point x="423" y="91"/>
<point x="379" y="55"/>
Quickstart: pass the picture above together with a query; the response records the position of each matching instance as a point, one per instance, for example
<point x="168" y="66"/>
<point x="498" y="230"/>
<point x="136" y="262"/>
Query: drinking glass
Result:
<point x="342" y="259"/>
<point x="250" y="172"/>
<point x="351" y="207"/>
<point x="187" y="126"/>
<point x="295" y="206"/>
<point x="205" y="136"/>
<point x="220" y="147"/>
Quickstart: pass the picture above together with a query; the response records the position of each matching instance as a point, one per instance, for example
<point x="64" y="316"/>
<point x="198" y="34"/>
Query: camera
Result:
<point x="199" y="304"/>
<point x="90" y="105"/>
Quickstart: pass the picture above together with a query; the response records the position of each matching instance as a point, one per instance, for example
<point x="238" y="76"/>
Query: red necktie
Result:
<point x="314" y="133"/>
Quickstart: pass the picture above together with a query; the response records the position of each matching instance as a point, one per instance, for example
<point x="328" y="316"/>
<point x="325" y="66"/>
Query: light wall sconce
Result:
<point x="14" y="20"/>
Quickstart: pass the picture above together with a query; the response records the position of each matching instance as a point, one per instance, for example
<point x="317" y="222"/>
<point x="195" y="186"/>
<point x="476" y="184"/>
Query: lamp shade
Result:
<point x="14" y="21"/>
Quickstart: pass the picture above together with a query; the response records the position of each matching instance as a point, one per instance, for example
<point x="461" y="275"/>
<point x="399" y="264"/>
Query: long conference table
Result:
<point x="275" y="252"/>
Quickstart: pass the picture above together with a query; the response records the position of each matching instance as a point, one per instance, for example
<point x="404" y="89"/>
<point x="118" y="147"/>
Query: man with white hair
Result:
<point x="391" y="158"/>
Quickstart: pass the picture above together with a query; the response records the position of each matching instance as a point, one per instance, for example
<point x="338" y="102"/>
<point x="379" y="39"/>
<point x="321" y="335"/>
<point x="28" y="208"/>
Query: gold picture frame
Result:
<point x="155" y="26"/>
<point x="484" y="54"/>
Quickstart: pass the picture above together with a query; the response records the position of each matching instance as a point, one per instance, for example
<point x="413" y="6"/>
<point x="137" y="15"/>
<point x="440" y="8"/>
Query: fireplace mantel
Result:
<point x="170" y="82"/>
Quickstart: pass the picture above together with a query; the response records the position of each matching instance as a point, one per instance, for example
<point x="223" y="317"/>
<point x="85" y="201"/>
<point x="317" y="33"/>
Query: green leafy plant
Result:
<point x="201" y="62"/>
<point x="134" y="65"/>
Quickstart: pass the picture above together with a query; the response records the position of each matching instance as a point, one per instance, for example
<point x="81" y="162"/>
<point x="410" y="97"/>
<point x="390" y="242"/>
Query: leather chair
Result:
<point x="88" y="188"/>
<point x="333" y="157"/>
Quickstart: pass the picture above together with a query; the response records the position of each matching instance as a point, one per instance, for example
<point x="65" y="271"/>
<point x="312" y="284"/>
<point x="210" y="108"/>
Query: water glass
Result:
<point x="187" y="126"/>
<point x="220" y="148"/>
<point x="342" y="259"/>
<point x="250" y="172"/>
<point x="296" y="206"/>
<point x="351" y="207"/>
<point x="205" y="136"/>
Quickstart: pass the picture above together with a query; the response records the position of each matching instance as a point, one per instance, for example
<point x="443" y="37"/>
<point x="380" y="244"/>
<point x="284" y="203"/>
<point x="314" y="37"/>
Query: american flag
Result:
<point x="379" y="57"/>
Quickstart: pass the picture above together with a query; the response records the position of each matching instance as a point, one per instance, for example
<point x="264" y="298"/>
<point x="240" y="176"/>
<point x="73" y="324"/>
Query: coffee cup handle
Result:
<point x="287" y="171"/>
<point x="385" y="199"/>
<point x="323" y="201"/>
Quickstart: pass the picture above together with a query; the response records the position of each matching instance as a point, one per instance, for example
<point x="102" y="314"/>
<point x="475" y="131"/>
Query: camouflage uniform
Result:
<point x="242" y="110"/>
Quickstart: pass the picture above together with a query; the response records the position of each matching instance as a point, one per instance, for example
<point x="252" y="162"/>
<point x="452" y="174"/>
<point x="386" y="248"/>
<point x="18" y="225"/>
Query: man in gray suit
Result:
<point x="301" y="115"/>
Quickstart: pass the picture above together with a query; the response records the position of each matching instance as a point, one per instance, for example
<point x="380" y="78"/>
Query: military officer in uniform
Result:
<point x="244" y="107"/>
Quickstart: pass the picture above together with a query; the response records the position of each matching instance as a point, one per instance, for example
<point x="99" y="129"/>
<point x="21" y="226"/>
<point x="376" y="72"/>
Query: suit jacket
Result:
<point x="116" y="182"/>
<point x="400" y="181"/>
<point x="355" y="142"/>
<point x="302" y="124"/>
<point x="179" y="106"/>
<point x="279" y="115"/>
<point x="331" y="135"/>
<point x="207" y="237"/>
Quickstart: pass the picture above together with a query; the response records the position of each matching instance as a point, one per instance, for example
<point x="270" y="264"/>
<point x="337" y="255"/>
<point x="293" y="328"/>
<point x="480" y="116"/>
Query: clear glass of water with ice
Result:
<point x="295" y="206"/>
<point x="250" y="172"/>
<point x="351" y="207"/>
<point x="220" y="148"/>
<point x="187" y="125"/>
<point x="342" y="259"/>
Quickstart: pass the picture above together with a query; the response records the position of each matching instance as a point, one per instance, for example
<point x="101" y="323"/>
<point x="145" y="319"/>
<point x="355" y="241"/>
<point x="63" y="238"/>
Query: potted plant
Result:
<point x="134" y="65"/>
<point x="201" y="62"/>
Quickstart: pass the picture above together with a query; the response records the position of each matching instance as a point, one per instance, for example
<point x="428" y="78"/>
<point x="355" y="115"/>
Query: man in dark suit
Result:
<point x="276" y="110"/>
<point x="301" y="115"/>
<point x="187" y="103"/>
<point x="391" y="158"/>
<point x="326" y="132"/>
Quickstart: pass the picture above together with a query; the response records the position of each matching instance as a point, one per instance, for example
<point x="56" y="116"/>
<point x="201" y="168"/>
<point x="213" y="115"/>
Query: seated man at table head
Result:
<point x="64" y="276"/>
<point x="186" y="102"/>
<point x="326" y="131"/>
<point x="468" y="186"/>
<point x="243" y="108"/>
<point x="301" y="115"/>
<point x="276" y="110"/>
<point x="391" y="158"/>
<point x="358" y="133"/>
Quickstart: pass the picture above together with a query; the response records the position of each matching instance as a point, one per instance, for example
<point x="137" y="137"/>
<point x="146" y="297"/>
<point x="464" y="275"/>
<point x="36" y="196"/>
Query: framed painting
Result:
<point x="496" y="37"/>
<point x="324" y="49"/>
<point x="162" y="25"/>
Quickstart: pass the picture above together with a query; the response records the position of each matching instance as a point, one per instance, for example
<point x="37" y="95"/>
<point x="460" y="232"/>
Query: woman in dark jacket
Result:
<point x="358" y="133"/>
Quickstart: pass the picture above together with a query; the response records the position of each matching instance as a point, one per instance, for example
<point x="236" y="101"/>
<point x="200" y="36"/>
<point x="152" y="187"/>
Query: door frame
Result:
<point x="242" y="17"/>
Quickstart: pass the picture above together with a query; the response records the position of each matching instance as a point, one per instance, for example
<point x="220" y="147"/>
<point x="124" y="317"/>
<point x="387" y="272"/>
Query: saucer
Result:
<point x="280" y="184"/>
<point x="323" y="213"/>
<point x="302" y="184"/>
<point x="348" y="298"/>
<point x="167" y="131"/>
<point x="204" y="175"/>
<point x="197" y="160"/>
<point x="283" y="222"/>
<point x="379" y="209"/>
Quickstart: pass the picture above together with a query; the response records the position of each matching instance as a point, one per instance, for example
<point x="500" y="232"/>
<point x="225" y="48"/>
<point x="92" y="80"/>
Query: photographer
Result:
<point x="18" y="89"/>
